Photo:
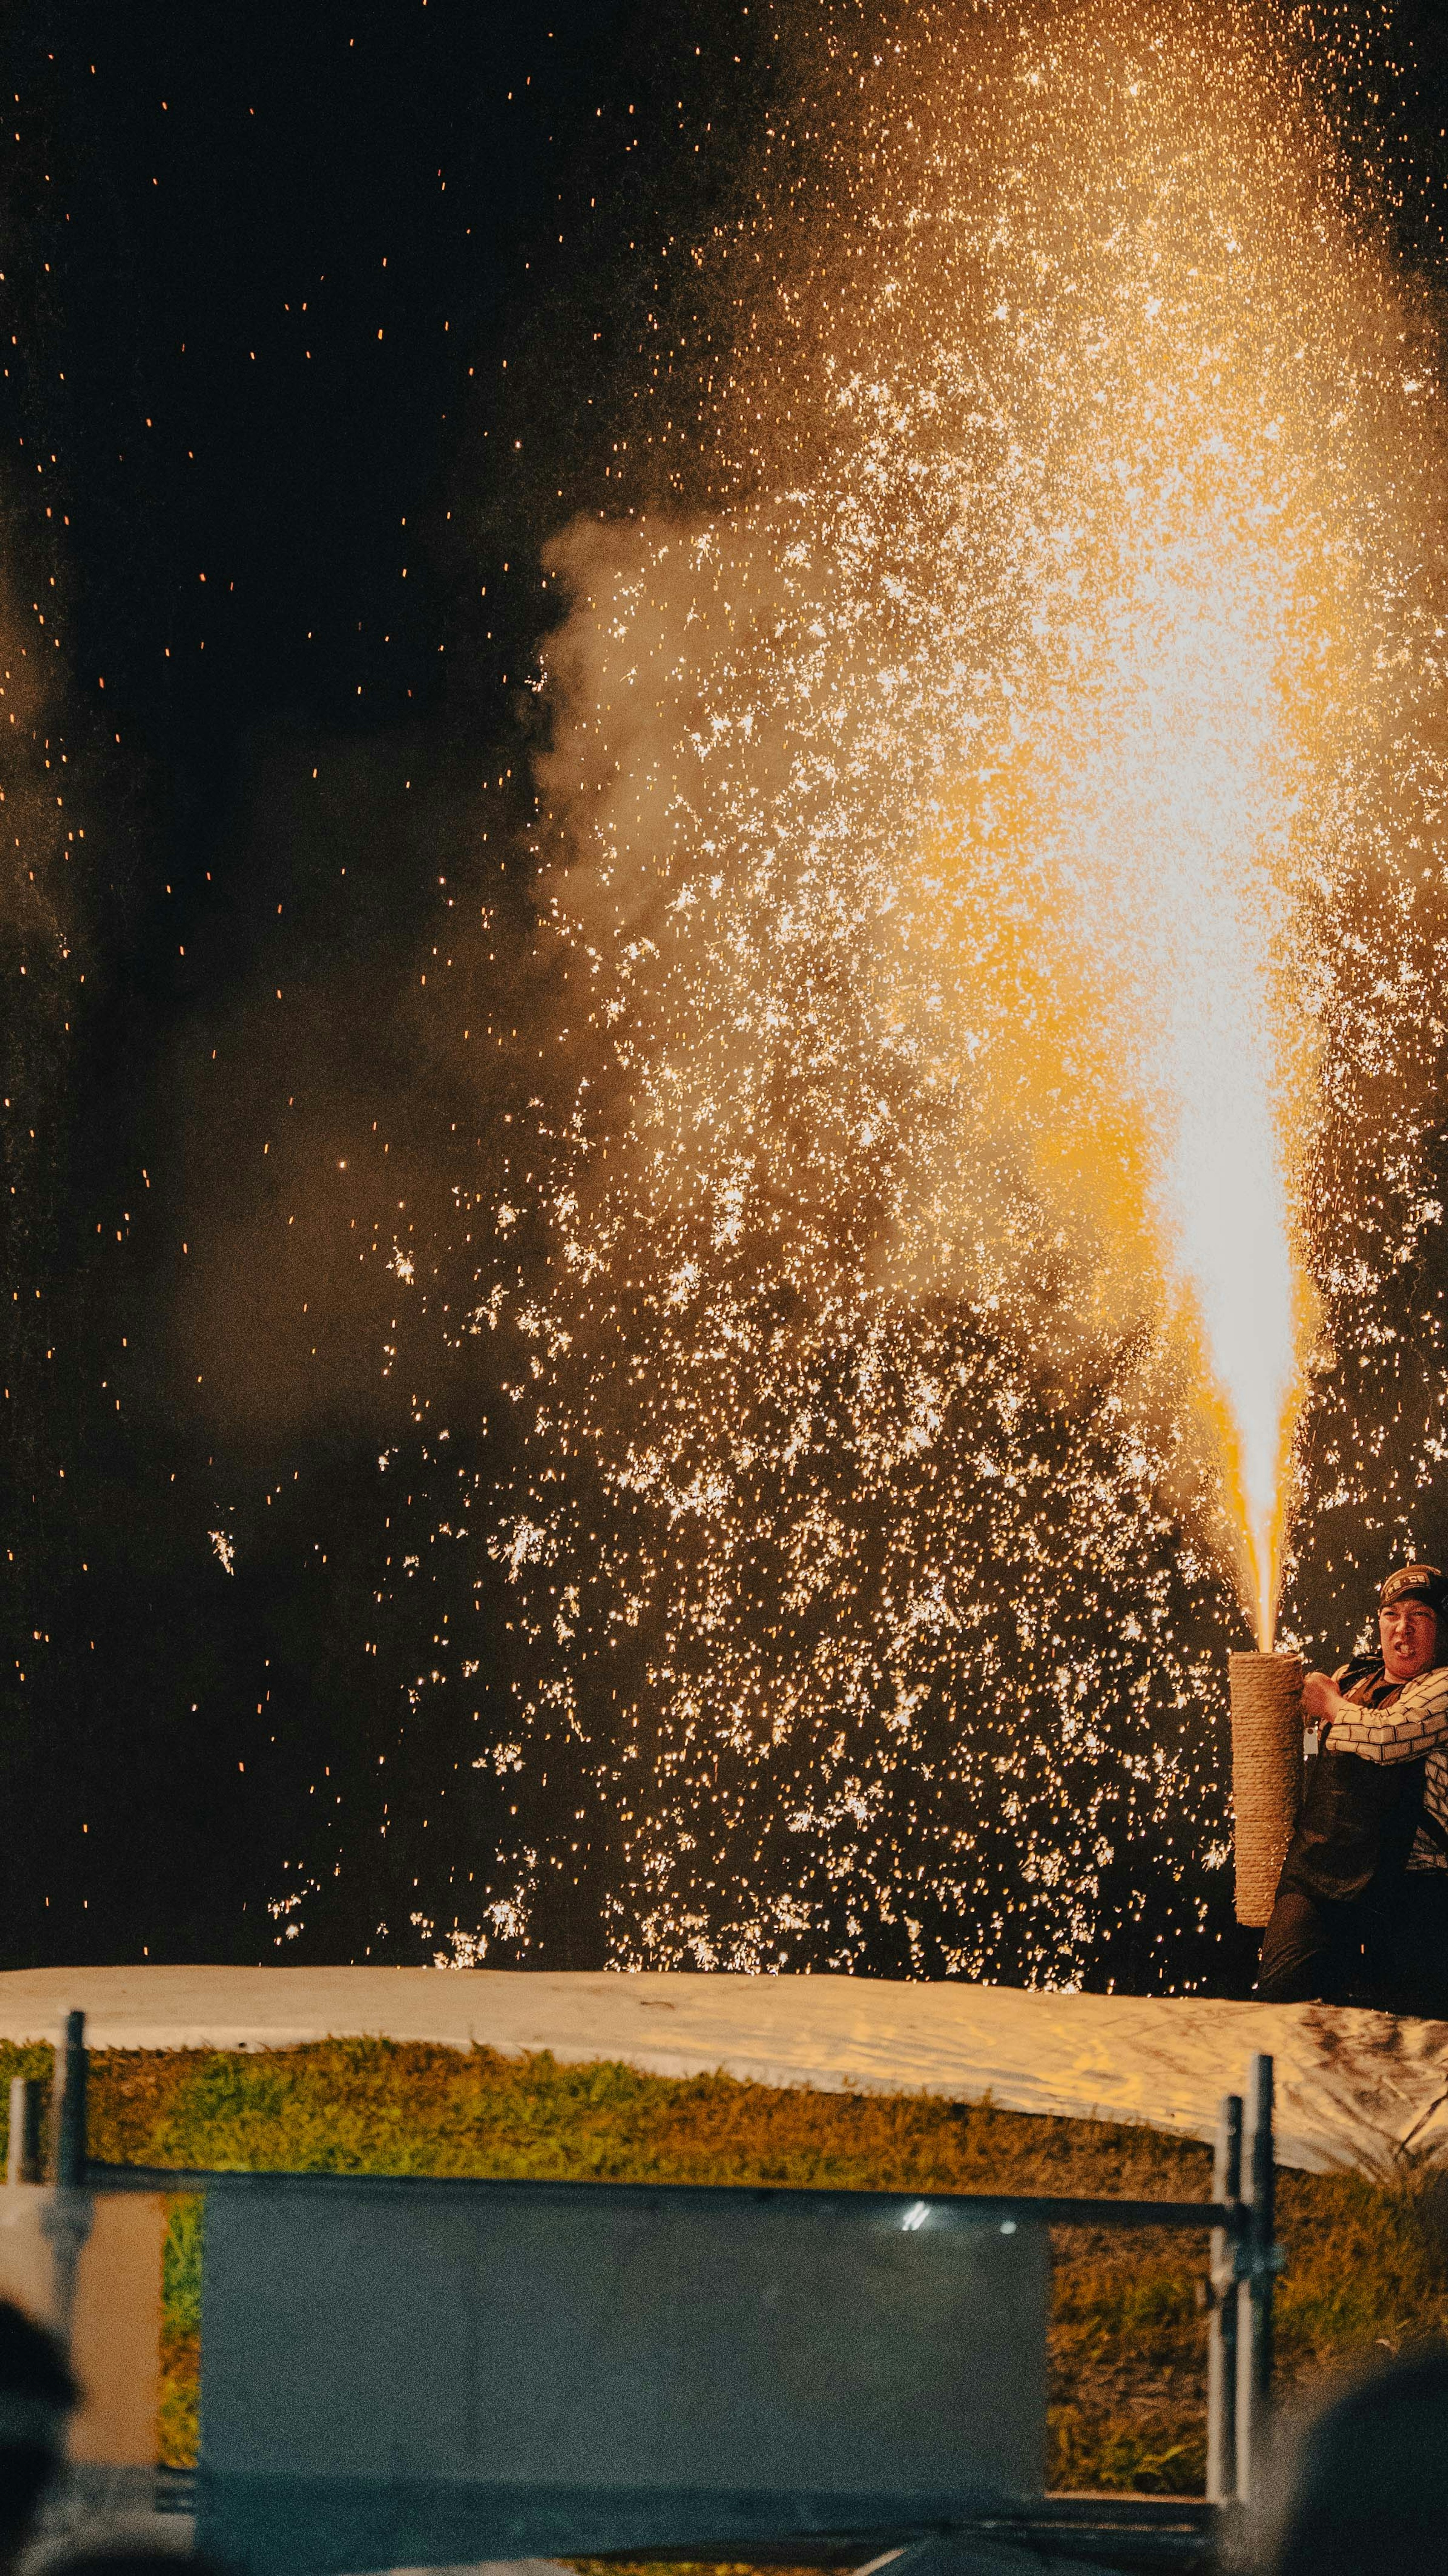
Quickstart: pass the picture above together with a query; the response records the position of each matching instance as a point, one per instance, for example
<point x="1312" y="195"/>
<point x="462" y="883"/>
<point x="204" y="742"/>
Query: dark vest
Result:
<point x="1358" y="1818"/>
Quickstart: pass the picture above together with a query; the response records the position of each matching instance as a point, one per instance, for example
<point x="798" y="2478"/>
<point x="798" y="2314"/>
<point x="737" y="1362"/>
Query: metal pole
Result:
<point x="22" y="2154"/>
<point x="1257" y="2267"/>
<point x="67" y="2216"/>
<point x="1222" y="2292"/>
<point x="71" y="2067"/>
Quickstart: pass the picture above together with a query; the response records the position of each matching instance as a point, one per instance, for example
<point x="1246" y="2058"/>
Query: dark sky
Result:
<point x="264" y="270"/>
<point x="272" y="504"/>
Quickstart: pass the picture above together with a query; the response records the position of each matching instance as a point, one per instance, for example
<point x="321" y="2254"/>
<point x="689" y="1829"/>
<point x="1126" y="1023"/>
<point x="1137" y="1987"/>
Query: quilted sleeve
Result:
<point x="1403" y="1733"/>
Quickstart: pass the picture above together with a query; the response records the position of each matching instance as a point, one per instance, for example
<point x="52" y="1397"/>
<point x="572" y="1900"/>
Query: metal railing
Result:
<point x="1245" y="2259"/>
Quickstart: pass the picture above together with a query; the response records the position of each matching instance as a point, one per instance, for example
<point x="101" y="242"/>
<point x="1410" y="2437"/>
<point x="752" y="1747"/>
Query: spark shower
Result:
<point x="991" y="845"/>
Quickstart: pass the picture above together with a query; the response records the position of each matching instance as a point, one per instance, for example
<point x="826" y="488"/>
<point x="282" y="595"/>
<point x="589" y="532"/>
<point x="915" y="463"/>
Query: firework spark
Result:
<point x="981" y="839"/>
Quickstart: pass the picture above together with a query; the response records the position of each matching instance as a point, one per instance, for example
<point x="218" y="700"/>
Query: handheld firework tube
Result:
<point x="1266" y="1699"/>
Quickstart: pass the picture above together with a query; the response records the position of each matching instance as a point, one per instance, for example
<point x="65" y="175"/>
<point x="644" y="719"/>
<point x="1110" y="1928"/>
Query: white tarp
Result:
<point x="1353" y="2088"/>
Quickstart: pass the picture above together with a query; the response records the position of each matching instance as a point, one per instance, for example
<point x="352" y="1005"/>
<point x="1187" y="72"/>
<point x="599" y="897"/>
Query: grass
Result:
<point x="1365" y="2261"/>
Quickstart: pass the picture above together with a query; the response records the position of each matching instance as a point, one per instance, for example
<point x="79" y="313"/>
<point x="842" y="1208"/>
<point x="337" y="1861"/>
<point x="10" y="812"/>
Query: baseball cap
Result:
<point x="1415" y="1583"/>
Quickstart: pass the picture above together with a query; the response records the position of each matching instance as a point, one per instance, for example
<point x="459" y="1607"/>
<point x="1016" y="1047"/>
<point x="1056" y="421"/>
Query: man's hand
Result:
<point x="1322" y="1701"/>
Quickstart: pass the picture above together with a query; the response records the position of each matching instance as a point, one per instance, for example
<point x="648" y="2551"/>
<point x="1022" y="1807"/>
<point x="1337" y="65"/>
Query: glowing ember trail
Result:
<point x="988" y="807"/>
<point x="1151" y="875"/>
<point x="1186" y="822"/>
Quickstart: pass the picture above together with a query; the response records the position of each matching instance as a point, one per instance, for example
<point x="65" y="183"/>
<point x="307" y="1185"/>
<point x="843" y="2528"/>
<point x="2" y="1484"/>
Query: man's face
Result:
<point x="1409" y="1634"/>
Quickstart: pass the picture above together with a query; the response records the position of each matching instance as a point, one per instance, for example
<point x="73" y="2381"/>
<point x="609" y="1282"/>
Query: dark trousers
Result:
<point x="1410" y="1951"/>
<point x="1388" y="1949"/>
<point x="1312" y="1950"/>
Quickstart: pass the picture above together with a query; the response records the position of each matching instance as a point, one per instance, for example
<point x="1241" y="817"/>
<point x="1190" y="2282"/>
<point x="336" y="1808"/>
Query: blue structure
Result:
<point x="409" y="2372"/>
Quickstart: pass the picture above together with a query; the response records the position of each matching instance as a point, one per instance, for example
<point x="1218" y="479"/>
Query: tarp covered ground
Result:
<point x="1354" y="2088"/>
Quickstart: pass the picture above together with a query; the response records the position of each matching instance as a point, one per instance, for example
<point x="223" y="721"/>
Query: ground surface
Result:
<point x="1352" y="2088"/>
<point x="1365" y="2260"/>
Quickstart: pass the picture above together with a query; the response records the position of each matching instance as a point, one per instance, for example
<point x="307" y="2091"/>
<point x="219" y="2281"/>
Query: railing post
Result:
<point x="67" y="2217"/>
<point x="1222" y="2292"/>
<point x="1257" y="2266"/>
<point x="22" y="2154"/>
<point x="71" y="2069"/>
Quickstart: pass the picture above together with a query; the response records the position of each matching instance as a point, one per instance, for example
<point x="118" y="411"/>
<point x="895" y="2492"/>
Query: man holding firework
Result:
<point x="1362" y="1904"/>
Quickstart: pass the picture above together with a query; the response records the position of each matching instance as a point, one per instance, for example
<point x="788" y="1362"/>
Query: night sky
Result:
<point x="264" y="270"/>
<point x="318" y="324"/>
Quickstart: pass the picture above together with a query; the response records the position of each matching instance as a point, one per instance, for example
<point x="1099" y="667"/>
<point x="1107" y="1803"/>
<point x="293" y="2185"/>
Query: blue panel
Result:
<point x="406" y="2373"/>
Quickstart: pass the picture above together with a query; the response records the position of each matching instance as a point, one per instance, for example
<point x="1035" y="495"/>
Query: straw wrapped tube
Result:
<point x="1266" y="1696"/>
